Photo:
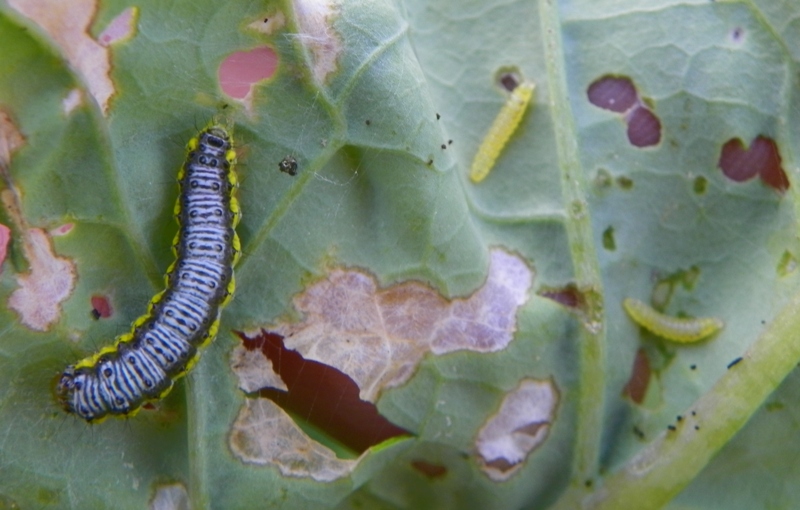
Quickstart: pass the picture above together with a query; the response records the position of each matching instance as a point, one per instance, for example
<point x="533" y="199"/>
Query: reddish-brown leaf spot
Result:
<point x="242" y="69"/>
<point x="762" y="158"/>
<point x="101" y="307"/>
<point x="568" y="296"/>
<point x="636" y="388"/>
<point x="613" y="93"/>
<point x="644" y="128"/>
<point x="428" y="469"/>
<point x="322" y="395"/>
<point x="509" y="81"/>
<point x="5" y="237"/>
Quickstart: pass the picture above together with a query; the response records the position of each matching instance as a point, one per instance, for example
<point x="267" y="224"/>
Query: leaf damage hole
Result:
<point x="240" y="71"/>
<point x="636" y="387"/>
<point x="315" y="31"/>
<point x="50" y="278"/>
<point x="509" y="81"/>
<point x="121" y="28"/>
<point x="101" y="307"/>
<point x="518" y="428"/>
<point x="322" y="395"/>
<point x="644" y="128"/>
<point x="429" y="469"/>
<point x="68" y="24"/>
<point x="569" y="295"/>
<point x="170" y="496"/>
<point x="618" y="94"/>
<point x="608" y="239"/>
<point x="5" y="238"/>
<point x="614" y="93"/>
<point x="762" y="158"/>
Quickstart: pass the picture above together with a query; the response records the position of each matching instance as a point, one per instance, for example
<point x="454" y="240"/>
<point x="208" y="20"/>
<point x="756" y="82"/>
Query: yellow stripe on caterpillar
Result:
<point x="677" y="329"/>
<point x="501" y="130"/>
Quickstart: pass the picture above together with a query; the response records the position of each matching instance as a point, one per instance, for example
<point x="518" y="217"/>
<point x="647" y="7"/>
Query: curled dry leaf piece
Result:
<point x="517" y="429"/>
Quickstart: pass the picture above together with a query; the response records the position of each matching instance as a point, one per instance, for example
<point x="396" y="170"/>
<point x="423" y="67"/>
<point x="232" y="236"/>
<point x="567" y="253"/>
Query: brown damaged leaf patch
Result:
<point x="315" y="21"/>
<point x="359" y="339"/>
<point x="68" y="24"/>
<point x="5" y="237"/>
<point x="49" y="282"/>
<point x="263" y="434"/>
<point x="322" y="395"/>
<point x="378" y="336"/>
<point x="636" y="387"/>
<point x="50" y="278"/>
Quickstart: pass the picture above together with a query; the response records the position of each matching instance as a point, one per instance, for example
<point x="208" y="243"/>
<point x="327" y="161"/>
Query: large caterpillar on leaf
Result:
<point x="163" y="344"/>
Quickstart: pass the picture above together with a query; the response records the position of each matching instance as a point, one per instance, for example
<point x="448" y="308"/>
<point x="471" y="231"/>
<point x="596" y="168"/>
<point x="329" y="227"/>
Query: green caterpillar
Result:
<point x="672" y="328"/>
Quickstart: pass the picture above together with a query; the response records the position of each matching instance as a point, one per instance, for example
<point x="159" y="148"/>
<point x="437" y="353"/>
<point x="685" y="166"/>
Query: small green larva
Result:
<point x="672" y="328"/>
<point x="502" y="128"/>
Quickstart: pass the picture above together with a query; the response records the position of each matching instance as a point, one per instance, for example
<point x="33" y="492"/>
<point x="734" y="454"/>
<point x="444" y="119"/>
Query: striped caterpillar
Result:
<point x="672" y="328"/>
<point x="163" y="344"/>
<point x="501" y="130"/>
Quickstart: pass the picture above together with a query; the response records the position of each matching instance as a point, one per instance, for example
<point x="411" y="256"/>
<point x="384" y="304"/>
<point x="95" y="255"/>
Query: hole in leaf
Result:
<point x="568" y="296"/>
<point x="636" y="387"/>
<point x="429" y="469"/>
<point x="613" y="93"/>
<point x="101" y="307"/>
<point x="644" y="128"/>
<point x="762" y="158"/>
<point x="242" y="69"/>
<point x="322" y="395"/>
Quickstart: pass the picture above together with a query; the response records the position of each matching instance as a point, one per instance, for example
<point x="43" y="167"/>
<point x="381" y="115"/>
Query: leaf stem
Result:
<point x="584" y="258"/>
<point x="663" y="468"/>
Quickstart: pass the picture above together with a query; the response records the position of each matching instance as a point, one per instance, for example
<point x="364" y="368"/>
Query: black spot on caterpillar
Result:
<point x="163" y="344"/>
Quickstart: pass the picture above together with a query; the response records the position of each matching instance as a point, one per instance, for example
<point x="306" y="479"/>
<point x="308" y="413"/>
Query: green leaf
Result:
<point x="480" y="318"/>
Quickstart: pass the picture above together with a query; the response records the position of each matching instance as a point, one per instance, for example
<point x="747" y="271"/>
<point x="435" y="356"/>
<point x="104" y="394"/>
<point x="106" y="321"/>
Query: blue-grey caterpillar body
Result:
<point x="163" y="344"/>
<point x="677" y="329"/>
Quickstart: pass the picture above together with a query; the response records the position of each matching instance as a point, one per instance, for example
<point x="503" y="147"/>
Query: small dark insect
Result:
<point x="288" y="165"/>
<point x="671" y="428"/>
<point x="734" y="362"/>
<point x="368" y="122"/>
<point x="438" y="116"/>
<point x="444" y="146"/>
<point x="638" y="432"/>
<point x="680" y="418"/>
